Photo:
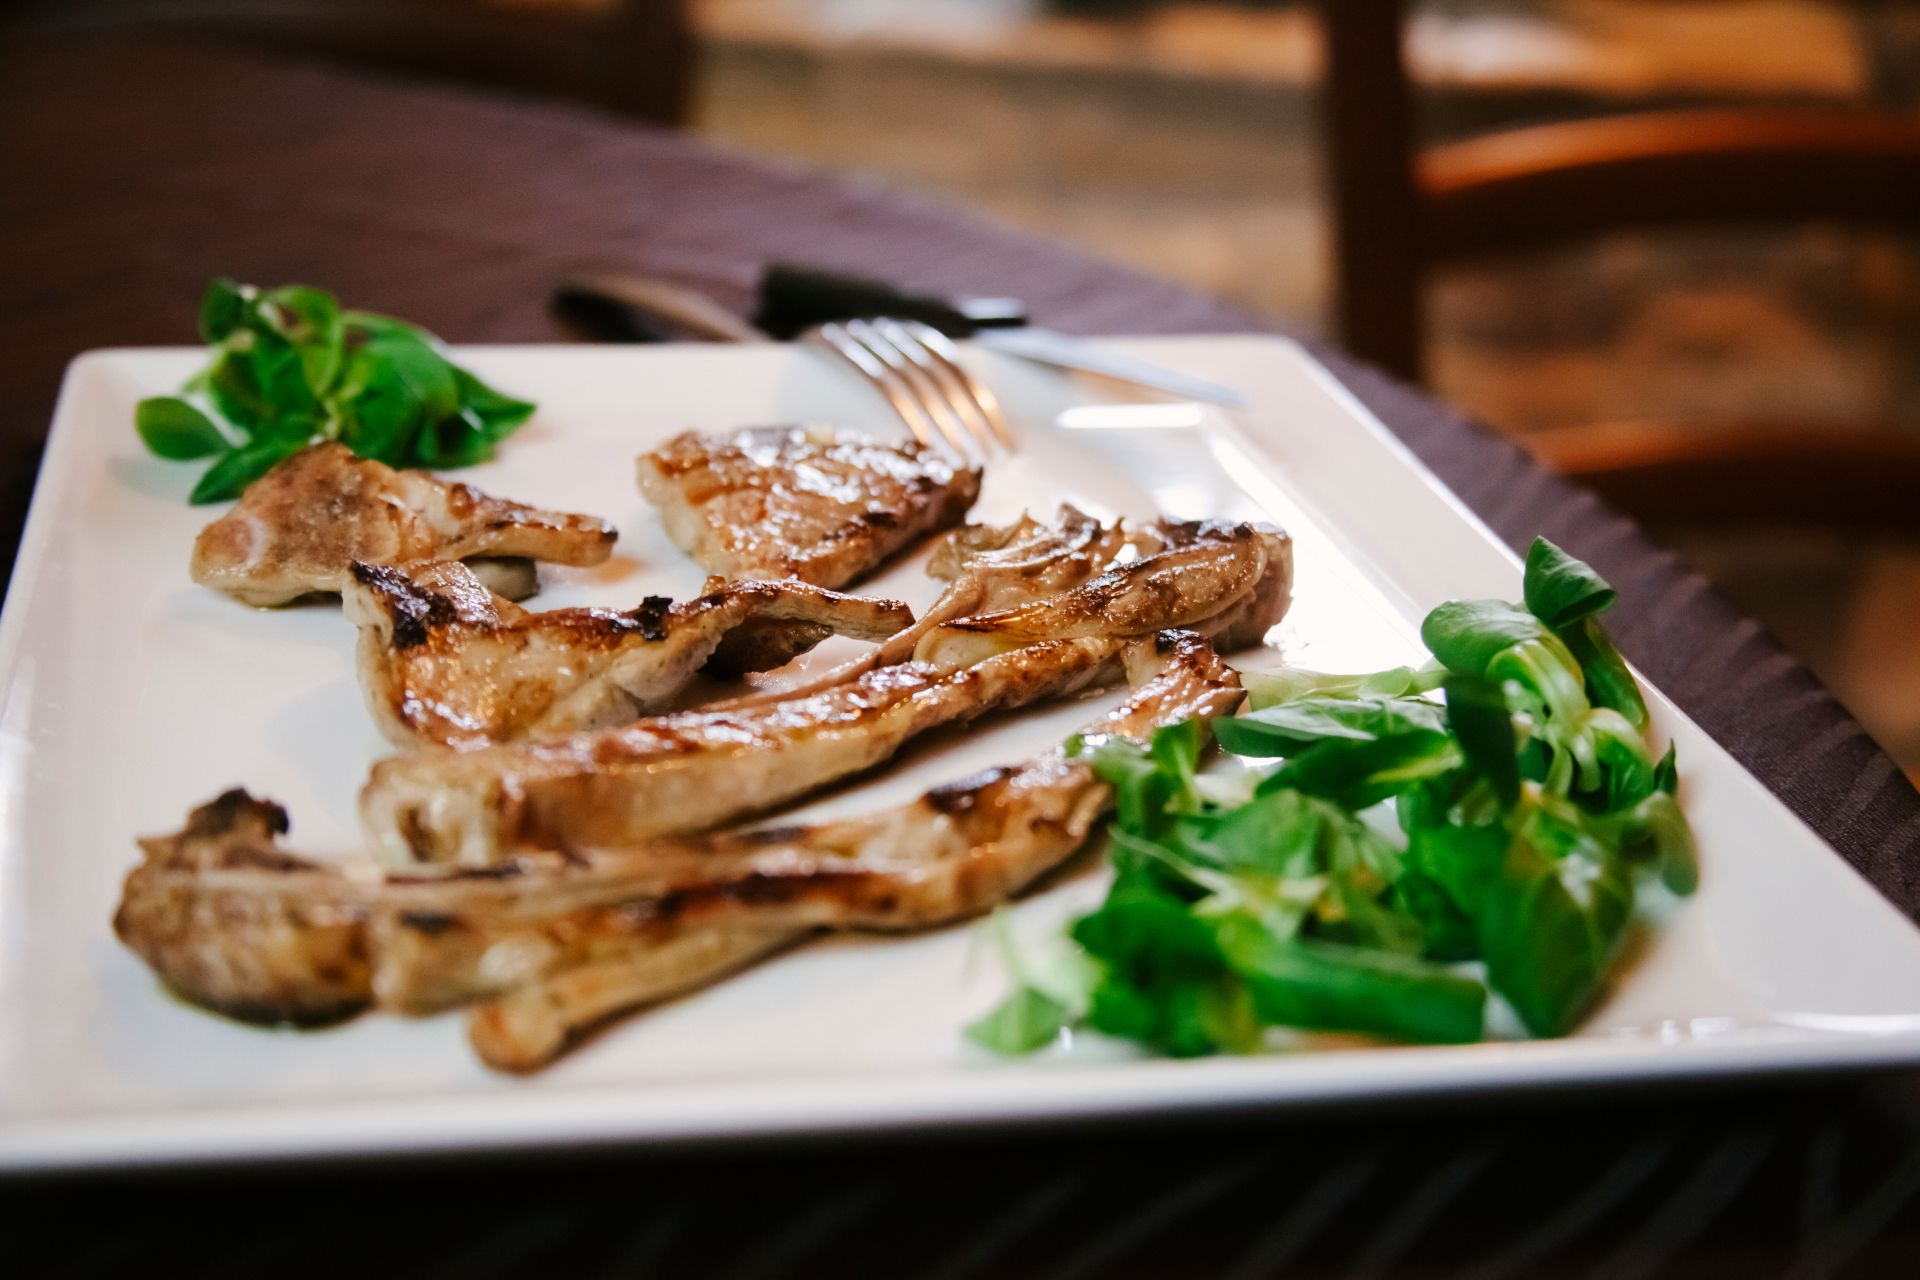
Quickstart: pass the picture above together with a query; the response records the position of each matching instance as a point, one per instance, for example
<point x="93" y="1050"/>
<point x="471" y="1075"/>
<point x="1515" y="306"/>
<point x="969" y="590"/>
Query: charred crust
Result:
<point x="377" y="576"/>
<point x="958" y="798"/>
<point x="229" y="811"/>
<point x="249" y="857"/>
<point x="293" y="1012"/>
<point x="430" y="923"/>
<point x="759" y="888"/>
<point x="660" y="911"/>
<point x="774" y="835"/>
<point x="415" y="613"/>
<point x="651" y="617"/>
<point x="415" y="829"/>
<point x="879" y="518"/>
<point x="497" y="871"/>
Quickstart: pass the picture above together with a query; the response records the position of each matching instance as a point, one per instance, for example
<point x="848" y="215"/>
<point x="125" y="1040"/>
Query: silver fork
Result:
<point x="917" y="368"/>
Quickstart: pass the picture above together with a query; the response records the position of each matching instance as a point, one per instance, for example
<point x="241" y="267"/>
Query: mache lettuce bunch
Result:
<point x="288" y="367"/>
<point x="1482" y="825"/>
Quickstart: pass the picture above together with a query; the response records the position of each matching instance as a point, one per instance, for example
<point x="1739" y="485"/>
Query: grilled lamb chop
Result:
<point x="299" y="529"/>
<point x="231" y="921"/>
<point x="810" y="503"/>
<point x="690" y="770"/>
<point x="444" y="661"/>
<point x="986" y="567"/>
<point x="694" y="770"/>
<point x="713" y="905"/>
<point x="1039" y="567"/>
<point x="234" y="923"/>
<point x="1200" y="571"/>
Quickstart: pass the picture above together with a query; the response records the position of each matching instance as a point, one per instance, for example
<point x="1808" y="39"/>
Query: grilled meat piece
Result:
<point x="694" y="770"/>
<point x="816" y="504"/>
<point x="722" y="901"/>
<point x="1196" y="577"/>
<point x="444" y="661"/>
<point x="231" y="921"/>
<point x="1078" y="576"/>
<point x="986" y="567"/>
<point x="954" y="852"/>
<point x="529" y="1026"/>
<point x="298" y="530"/>
<point x="690" y="770"/>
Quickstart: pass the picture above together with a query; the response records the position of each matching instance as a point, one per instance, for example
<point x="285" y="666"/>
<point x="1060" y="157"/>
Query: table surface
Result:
<point x="134" y="172"/>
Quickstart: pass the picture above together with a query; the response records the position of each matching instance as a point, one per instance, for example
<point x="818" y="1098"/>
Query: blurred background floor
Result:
<point x="1182" y="137"/>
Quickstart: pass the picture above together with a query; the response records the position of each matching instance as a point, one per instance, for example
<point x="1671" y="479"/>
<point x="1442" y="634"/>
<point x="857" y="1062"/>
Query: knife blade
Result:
<point x="1044" y="346"/>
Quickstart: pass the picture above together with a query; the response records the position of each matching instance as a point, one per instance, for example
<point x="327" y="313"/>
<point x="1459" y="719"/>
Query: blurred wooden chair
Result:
<point x="1400" y="210"/>
<point x="632" y="56"/>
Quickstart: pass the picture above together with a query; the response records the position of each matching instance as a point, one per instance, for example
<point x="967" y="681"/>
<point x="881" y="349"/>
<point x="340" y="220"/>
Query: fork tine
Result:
<point x="940" y="374"/>
<point x="972" y="396"/>
<point x="835" y="338"/>
<point x="926" y="390"/>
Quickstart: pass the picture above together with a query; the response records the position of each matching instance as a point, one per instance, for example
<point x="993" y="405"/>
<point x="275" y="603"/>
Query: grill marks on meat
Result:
<point x="820" y="505"/>
<point x="1208" y="576"/>
<point x="232" y="922"/>
<point x="299" y="529"/>
<point x="694" y="770"/>
<point x="1019" y="580"/>
<point x="956" y="851"/>
<point x="551" y="885"/>
<point x="690" y="770"/>
<point x="443" y="661"/>
<point x="986" y="567"/>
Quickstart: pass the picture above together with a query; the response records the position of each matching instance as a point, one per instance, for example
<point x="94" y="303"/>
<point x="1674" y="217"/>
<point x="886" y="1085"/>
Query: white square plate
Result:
<point x="129" y="695"/>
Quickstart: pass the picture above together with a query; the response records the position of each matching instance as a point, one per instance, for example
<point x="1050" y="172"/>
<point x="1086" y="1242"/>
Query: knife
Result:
<point x="618" y="307"/>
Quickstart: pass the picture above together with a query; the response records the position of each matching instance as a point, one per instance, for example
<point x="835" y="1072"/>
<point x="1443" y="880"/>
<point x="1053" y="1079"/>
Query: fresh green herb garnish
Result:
<point x="289" y="368"/>
<point x="1405" y="860"/>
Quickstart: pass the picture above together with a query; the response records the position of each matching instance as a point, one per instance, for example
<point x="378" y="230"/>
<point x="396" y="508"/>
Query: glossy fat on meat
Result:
<point x="443" y="661"/>
<point x="299" y="529"/>
<point x="818" y="504"/>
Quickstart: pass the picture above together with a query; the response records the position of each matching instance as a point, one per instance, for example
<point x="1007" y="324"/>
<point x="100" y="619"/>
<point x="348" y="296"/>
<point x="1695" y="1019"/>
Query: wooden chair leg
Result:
<point x="1368" y="129"/>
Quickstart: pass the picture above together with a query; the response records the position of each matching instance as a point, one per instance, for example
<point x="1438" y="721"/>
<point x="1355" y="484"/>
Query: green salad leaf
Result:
<point x="1028" y="1019"/>
<point x="1270" y="688"/>
<point x="1560" y="590"/>
<point x="287" y="368"/>
<point x="1397" y="862"/>
<point x="172" y="428"/>
<point x="1287" y="727"/>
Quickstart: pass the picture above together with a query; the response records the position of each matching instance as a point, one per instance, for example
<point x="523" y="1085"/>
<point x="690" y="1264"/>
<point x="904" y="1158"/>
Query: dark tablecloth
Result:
<point x="131" y="173"/>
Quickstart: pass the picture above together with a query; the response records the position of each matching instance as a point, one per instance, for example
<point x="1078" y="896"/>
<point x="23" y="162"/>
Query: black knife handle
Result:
<point x="601" y="318"/>
<point x="794" y="298"/>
